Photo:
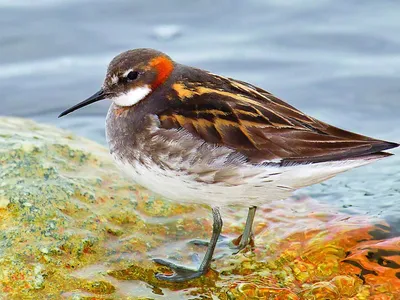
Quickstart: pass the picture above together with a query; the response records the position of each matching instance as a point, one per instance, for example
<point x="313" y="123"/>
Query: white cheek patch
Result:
<point x="133" y="96"/>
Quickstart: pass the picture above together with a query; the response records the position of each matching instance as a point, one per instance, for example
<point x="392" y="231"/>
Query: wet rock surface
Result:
<point x="72" y="227"/>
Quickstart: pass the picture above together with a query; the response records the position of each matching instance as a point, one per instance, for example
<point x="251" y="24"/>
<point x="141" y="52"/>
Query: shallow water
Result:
<point x="339" y="63"/>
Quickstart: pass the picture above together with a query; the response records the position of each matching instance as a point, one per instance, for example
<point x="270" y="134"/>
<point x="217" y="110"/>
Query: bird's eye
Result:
<point x="132" y="75"/>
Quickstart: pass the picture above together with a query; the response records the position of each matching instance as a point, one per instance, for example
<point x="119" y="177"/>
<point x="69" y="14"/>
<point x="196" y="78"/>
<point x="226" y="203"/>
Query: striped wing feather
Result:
<point x="238" y="115"/>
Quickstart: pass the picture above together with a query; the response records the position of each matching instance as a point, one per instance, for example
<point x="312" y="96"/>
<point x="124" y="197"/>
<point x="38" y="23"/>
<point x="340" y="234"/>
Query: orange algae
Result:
<point x="71" y="227"/>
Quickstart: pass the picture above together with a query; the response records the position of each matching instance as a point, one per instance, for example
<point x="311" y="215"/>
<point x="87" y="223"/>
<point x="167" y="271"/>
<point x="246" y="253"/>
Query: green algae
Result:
<point x="72" y="227"/>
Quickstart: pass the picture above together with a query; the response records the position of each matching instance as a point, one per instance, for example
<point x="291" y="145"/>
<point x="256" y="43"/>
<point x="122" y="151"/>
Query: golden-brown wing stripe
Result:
<point x="214" y="112"/>
<point x="248" y="113"/>
<point x="185" y="93"/>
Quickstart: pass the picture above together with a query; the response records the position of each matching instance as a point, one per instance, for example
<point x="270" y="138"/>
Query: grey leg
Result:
<point x="239" y="243"/>
<point x="182" y="273"/>
<point x="248" y="230"/>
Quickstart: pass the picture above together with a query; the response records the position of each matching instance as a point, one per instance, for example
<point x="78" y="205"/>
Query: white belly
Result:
<point x="253" y="185"/>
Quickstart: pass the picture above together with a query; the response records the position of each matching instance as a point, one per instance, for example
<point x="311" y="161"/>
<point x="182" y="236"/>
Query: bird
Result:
<point x="193" y="136"/>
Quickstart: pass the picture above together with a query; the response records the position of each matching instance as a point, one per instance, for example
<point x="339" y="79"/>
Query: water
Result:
<point x="337" y="62"/>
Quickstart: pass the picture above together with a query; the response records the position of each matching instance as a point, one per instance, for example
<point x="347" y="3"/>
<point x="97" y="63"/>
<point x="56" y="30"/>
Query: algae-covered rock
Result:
<point x="72" y="227"/>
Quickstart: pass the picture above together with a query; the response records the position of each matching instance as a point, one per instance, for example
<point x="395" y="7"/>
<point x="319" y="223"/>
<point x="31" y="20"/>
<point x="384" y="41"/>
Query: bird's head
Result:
<point x="131" y="77"/>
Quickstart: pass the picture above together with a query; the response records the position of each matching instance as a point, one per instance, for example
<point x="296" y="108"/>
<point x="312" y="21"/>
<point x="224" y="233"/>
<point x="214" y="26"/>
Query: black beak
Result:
<point x="100" y="95"/>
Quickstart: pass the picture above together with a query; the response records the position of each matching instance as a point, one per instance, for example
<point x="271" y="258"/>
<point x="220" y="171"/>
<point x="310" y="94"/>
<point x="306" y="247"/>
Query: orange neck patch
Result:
<point x="164" y="67"/>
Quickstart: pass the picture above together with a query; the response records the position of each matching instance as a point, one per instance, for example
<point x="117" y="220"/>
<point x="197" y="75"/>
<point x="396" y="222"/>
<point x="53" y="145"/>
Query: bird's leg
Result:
<point x="247" y="235"/>
<point x="238" y="243"/>
<point x="182" y="273"/>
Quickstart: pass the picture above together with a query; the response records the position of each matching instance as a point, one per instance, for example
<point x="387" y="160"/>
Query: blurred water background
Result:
<point x="336" y="60"/>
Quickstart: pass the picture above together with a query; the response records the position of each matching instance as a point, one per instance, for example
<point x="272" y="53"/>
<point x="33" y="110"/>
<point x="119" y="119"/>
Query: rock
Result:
<point x="72" y="227"/>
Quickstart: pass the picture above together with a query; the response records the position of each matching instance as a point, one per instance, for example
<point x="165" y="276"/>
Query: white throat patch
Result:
<point x="133" y="96"/>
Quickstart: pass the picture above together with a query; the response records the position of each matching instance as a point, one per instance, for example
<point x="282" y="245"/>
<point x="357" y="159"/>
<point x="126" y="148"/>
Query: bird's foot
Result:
<point x="180" y="274"/>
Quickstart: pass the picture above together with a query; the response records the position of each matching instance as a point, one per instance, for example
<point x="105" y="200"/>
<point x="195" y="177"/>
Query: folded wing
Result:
<point x="224" y="111"/>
